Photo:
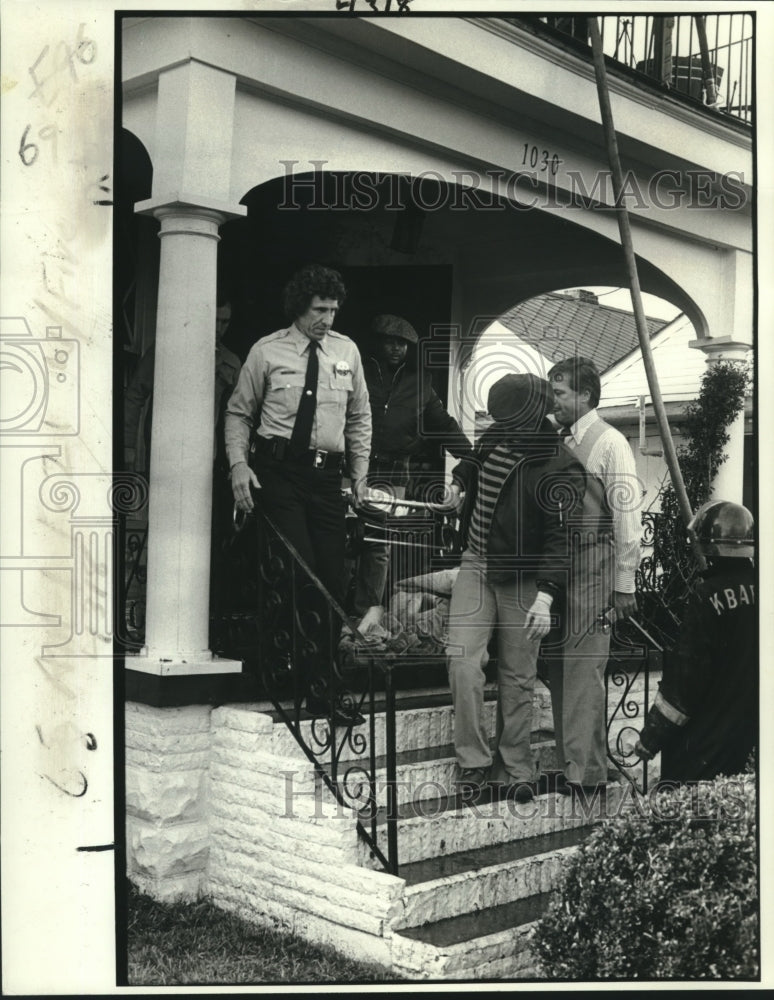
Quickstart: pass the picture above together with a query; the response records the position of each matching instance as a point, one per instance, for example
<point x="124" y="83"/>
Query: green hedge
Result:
<point x="666" y="891"/>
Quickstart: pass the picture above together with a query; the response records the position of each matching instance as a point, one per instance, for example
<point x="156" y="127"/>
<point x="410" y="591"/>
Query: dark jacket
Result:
<point x="406" y="414"/>
<point x="529" y="530"/>
<point x="705" y="714"/>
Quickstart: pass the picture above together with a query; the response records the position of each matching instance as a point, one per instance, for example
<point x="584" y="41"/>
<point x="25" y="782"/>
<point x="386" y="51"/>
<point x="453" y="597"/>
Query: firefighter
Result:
<point x="704" y="718"/>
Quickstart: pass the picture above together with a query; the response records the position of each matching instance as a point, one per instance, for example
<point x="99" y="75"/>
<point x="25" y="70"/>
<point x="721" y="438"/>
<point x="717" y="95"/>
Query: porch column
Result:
<point x="178" y="582"/>
<point x="728" y="482"/>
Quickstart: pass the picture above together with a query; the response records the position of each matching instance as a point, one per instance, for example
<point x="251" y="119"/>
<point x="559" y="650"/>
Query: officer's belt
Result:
<point x="394" y="461"/>
<point x="279" y="449"/>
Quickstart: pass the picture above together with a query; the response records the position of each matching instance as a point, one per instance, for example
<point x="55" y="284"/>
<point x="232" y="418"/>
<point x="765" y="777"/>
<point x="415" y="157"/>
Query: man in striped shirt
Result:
<point x="521" y="489"/>
<point x="603" y="576"/>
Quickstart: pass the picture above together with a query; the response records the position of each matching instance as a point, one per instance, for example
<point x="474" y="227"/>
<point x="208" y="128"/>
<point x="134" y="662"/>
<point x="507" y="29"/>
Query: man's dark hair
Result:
<point x="311" y="280"/>
<point x="580" y="374"/>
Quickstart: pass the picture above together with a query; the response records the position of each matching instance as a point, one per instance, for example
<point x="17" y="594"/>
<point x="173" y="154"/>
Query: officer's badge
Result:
<point x="342" y="368"/>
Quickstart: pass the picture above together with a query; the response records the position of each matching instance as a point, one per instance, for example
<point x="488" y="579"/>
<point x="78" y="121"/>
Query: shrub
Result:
<point x="668" y="890"/>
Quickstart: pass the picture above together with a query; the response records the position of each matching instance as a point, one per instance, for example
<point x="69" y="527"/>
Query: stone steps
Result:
<point x="491" y="944"/>
<point x="435" y="829"/>
<point x="428" y="774"/>
<point x="478" y="879"/>
<point x="472" y="878"/>
<point x="425" y="719"/>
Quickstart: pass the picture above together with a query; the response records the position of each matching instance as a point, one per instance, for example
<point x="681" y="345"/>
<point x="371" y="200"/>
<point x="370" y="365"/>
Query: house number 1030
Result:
<point x="546" y="161"/>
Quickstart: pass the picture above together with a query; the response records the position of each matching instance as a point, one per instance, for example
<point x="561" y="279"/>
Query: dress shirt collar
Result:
<point x="581" y="425"/>
<point x="301" y="341"/>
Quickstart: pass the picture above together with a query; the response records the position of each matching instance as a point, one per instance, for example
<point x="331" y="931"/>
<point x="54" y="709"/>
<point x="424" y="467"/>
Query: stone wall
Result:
<point x="219" y="805"/>
<point x="167" y="826"/>
<point x="282" y="852"/>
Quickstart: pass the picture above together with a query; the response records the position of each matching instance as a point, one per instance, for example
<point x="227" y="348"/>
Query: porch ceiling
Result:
<point x="496" y="258"/>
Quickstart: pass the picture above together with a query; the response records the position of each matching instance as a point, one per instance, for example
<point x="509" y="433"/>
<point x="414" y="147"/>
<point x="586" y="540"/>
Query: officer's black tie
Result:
<point x="564" y="432"/>
<point x="302" y="428"/>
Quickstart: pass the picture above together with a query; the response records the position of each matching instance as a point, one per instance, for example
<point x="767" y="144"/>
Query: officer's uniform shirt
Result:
<point x="612" y="462"/>
<point x="271" y="382"/>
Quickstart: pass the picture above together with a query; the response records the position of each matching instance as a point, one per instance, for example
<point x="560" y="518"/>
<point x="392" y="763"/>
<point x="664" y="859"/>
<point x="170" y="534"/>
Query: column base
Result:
<point x="162" y="667"/>
<point x="210" y="687"/>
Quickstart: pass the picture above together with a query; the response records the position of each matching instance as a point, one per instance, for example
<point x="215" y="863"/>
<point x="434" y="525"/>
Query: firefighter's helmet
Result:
<point x="723" y="528"/>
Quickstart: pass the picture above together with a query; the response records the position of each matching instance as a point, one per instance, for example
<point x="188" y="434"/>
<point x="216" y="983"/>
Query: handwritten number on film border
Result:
<point x="52" y="62"/>
<point x="401" y="6"/>
<point x="28" y="151"/>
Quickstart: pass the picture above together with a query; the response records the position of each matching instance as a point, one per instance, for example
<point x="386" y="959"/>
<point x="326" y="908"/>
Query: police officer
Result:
<point x="704" y="718"/>
<point x="303" y="390"/>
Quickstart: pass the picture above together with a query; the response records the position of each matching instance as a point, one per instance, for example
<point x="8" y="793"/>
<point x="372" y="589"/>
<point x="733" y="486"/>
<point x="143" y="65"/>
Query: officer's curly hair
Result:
<point x="311" y="280"/>
<point x="581" y="375"/>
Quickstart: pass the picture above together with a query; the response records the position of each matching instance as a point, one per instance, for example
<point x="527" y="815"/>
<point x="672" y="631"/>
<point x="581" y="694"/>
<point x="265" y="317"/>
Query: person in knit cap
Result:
<point x="522" y="487"/>
<point x="406" y="414"/>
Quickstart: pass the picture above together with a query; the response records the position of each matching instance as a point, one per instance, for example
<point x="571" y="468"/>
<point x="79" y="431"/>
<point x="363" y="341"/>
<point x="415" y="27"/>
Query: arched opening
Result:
<point x="135" y="281"/>
<point x="449" y="259"/>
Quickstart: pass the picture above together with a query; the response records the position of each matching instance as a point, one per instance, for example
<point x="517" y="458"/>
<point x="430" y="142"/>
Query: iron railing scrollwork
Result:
<point x="663" y="583"/>
<point x="294" y="635"/>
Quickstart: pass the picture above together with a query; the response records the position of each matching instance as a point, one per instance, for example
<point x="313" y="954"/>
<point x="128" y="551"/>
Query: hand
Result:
<point x="452" y="496"/>
<point x="539" y="617"/>
<point x="359" y="490"/>
<point x="242" y="478"/>
<point x="624" y="604"/>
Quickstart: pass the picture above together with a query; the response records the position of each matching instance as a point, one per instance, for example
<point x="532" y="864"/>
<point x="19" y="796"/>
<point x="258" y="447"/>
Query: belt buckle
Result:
<point x="320" y="456"/>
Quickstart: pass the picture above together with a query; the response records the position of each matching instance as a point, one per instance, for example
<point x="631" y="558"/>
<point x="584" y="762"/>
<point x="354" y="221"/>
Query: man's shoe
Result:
<point x="470" y="783"/>
<point x="341" y="715"/>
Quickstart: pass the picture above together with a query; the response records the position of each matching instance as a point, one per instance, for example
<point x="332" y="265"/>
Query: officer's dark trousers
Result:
<point x="307" y="506"/>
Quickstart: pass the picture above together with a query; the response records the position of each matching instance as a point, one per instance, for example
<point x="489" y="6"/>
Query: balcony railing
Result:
<point x="705" y="58"/>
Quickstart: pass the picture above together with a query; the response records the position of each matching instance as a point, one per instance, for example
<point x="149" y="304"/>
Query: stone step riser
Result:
<point x="479" y="890"/>
<point x="416" y="729"/>
<point x="432" y="780"/>
<point x="505" y="955"/>
<point x="430" y="834"/>
<point x="423" y="728"/>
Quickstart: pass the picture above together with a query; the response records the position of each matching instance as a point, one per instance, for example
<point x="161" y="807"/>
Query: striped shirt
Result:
<point x="493" y="474"/>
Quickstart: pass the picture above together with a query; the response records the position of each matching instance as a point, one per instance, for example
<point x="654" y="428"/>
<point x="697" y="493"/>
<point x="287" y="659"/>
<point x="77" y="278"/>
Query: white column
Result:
<point x="728" y="483"/>
<point x="178" y="585"/>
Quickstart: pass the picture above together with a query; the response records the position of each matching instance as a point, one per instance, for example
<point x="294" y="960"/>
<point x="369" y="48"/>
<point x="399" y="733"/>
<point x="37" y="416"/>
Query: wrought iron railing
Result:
<point x="707" y="58"/>
<point x="645" y="640"/>
<point x="293" y="633"/>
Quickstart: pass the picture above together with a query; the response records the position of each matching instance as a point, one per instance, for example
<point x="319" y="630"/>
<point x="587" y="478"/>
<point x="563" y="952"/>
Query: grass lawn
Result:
<point x="198" y="944"/>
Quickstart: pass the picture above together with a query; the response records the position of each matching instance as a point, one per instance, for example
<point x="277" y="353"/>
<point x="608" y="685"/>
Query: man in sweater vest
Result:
<point x="602" y="575"/>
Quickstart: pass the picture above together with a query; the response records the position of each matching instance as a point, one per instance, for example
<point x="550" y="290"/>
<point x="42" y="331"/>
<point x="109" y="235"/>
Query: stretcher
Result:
<point x="387" y="520"/>
<point x="424" y="543"/>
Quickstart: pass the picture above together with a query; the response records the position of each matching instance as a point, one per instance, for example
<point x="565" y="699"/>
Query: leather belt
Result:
<point x="317" y="458"/>
<point x="389" y="461"/>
